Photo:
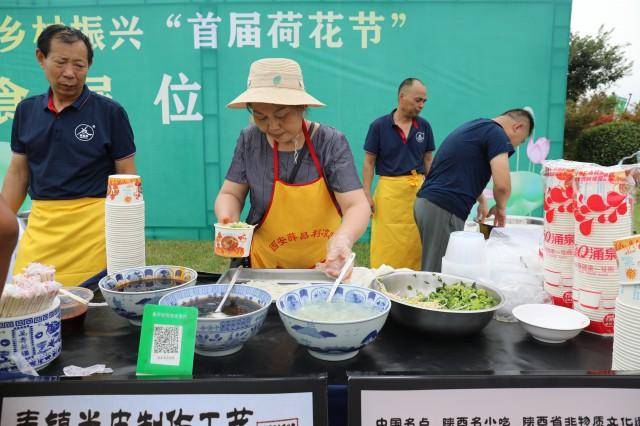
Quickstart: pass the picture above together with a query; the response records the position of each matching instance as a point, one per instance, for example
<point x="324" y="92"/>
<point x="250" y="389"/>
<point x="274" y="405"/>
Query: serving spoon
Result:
<point x="343" y="272"/>
<point x="218" y="312"/>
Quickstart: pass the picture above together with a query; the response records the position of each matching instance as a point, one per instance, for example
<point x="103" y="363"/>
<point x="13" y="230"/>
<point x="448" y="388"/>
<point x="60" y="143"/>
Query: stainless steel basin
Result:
<point x="442" y="322"/>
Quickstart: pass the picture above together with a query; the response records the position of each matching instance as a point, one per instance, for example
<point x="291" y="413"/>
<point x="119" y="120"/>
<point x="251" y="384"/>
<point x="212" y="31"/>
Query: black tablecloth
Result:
<point x="503" y="348"/>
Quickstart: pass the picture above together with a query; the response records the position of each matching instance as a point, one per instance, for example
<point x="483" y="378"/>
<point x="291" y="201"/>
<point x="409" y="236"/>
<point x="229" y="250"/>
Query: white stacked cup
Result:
<point x="124" y="223"/>
<point x="558" y="242"/>
<point x="603" y="214"/>
<point x="626" y="335"/>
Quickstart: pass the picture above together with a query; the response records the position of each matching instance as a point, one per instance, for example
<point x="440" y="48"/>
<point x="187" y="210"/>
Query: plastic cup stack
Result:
<point x="558" y="241"/>
<point x="603" y="213"/>
<point x="466" y="256"/>
<point x="626" y="335"/>
<point x="124" y="223"/>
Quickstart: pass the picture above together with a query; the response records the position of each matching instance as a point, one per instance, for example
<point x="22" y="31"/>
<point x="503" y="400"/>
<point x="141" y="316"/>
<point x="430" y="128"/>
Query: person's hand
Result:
<point x="338" y="251"/>
<point x="226" y="219"/>
<point x="371" y="203"/>
<point x="482" y="211"/>
<point x="499" y="214"/>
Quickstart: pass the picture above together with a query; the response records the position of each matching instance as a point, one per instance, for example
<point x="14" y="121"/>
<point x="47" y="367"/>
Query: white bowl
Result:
<point x="550" y="323"/>
<point x="35" y="336"/>
<point x="333" y="340"/>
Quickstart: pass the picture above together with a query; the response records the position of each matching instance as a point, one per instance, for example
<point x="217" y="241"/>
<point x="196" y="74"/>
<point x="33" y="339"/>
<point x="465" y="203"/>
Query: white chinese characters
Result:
<point x="168" y="92"/>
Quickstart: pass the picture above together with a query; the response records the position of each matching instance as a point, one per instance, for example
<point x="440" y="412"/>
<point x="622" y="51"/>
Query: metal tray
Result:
<point x="282" y="276"/>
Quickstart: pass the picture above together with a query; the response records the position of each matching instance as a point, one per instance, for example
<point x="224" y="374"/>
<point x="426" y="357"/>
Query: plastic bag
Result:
<point x="515" y="267"/>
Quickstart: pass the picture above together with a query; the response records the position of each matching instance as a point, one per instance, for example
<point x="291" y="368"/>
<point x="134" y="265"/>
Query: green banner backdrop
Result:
<point x="174" y="65"/>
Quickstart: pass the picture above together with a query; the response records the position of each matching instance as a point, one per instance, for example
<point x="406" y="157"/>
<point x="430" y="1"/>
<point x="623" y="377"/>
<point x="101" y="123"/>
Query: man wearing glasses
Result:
<point x="400" y="147"/>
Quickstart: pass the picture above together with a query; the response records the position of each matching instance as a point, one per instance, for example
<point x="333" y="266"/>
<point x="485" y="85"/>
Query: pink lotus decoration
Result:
<point x="537" y="151"/>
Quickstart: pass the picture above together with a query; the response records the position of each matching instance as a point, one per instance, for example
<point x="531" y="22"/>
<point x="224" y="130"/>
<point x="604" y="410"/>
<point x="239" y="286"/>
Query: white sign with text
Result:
<point x="286" y="409"/>
<point x="502" y="407"/>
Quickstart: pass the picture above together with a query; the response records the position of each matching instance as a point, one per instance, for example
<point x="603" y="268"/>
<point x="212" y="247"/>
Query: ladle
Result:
<point x="343" y="272"/>
<point x="218" y="312"/>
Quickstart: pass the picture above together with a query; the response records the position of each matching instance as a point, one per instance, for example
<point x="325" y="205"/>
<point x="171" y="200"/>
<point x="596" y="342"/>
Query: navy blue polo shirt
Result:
<point x="71" y="153"/>
<point x="461" y="169"/>
<point x="396" y="153"/>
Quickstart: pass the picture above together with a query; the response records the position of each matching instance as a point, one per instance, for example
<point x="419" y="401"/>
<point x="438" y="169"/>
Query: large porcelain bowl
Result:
<point x="223" y="336"/>
<point x="333" y="340"/>
<point x="130" y="305"/>
<point x="35" y="336"/>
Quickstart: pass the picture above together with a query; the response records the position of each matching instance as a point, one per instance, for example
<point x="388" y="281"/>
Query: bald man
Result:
<point x="400" y="147"/>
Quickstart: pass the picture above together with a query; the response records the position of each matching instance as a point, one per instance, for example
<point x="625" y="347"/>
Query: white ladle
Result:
<point x="218" y="312"/>
<point x="343" y="272"/>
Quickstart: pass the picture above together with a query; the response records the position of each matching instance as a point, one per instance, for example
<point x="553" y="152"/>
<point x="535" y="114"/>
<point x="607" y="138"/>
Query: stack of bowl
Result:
<point x="466" y="256"/>
<point x="124" y="223"/>
<point x="603" y="214"/>
<point x="558" y="244"/>
<point x="626" y="334"/>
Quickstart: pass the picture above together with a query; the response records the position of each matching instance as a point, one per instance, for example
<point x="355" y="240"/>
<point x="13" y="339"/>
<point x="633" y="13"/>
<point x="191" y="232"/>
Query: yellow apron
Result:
<point x="301" y="218"/>
<point x="68" y="234"/>
<point x="395" y="239"/>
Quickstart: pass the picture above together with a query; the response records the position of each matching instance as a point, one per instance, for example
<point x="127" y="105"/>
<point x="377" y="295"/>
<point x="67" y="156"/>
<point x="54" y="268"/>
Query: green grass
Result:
<point x="199" y="255"/>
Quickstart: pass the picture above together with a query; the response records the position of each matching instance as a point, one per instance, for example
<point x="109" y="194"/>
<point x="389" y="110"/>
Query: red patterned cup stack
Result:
<point x="603" y="213"/>
<point x="558" y="245"/>
<point x="124" y="223"/>
<point x="626" y="335"/>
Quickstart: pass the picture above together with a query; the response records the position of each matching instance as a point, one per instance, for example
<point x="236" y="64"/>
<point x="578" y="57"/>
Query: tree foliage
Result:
<point x="594" y="63"/>
<point x="608" y="143"/>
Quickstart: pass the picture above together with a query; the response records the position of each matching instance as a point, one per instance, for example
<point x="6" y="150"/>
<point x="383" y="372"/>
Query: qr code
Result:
<point x="166" y="344"/>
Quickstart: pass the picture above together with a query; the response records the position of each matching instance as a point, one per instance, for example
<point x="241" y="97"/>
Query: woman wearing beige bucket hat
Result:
<point x="305" y="193"/>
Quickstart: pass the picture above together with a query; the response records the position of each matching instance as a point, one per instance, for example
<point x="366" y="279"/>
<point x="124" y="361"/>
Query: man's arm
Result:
<point x="16" y="182"/>
<point x="126" y="166"/>
<point x="367" y="177"/>
<point x="427" y="159"/>
<point x="8" y="239"/>
<point x="501" y="187"/>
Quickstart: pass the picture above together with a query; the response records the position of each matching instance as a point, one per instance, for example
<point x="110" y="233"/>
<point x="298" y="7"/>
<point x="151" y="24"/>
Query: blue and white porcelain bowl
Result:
<point x="35" y="336"/>
<point x="333" y="340"/>
<point x="130" y="305"/>
<point x="223" y="336"/>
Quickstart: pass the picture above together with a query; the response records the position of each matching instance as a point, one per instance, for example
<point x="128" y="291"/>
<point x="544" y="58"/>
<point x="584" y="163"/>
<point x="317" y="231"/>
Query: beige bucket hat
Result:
<point x="275" y="81"/>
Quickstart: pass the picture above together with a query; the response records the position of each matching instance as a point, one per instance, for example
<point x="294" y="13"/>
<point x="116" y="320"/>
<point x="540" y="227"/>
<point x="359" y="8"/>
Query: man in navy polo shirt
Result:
<point x="472" y="154"/>
<point x="65" y="144"/>
<point x="400" y="146"/>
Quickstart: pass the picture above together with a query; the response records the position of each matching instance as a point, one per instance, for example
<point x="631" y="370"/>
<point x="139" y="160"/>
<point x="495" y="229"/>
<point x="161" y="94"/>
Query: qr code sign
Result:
<point x="166" y="344"/>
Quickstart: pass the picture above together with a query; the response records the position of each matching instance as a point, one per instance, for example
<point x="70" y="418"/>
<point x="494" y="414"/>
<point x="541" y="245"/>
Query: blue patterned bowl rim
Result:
<point x="365" y="289"/>
<point x="55" y="304"/>
<point x="101" y="283"/>
<point x="181" y="294"/>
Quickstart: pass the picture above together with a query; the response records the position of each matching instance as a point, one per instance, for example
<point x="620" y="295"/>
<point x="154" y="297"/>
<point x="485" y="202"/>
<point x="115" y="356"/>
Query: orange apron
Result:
<point x="299" y="221"/>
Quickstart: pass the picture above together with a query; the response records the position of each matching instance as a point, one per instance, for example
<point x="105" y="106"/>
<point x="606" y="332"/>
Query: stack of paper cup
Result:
<point x="626" y="335"/>
<point x="603" y="213"/>
<point x="124" y="223"/>
<point x="558" y="243"/>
